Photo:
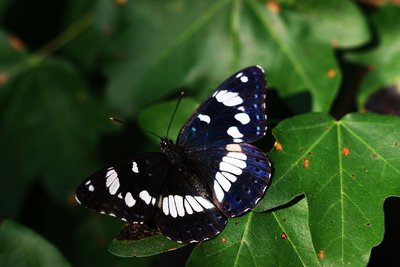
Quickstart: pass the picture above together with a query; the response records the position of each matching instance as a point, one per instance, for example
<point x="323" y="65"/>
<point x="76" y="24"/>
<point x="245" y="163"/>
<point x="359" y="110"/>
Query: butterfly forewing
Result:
<point x="235" y="113"/>
<point x="127" y="190"/>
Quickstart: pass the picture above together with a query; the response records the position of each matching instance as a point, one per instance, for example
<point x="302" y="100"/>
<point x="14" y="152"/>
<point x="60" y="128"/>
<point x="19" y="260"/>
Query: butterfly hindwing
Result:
<point x="235" y="113"/>
<point x="237" y="173"/>
<point x="186" y="212"/>
<point x="127" y="190"/>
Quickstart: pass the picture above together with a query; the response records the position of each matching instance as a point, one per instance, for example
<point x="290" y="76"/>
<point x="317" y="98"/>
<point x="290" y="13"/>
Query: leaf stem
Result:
<point x="64" y="38"/>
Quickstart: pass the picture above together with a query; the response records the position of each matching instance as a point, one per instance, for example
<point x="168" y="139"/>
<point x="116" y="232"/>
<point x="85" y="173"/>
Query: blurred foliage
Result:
<point x="66" y="66"/>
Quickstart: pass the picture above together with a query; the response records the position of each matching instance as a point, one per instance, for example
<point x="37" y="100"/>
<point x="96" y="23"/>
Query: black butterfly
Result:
<point x="210" y="174"/>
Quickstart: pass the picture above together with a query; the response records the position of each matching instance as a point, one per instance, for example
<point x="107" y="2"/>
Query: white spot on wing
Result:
<point x="114" y="187"/>
<point x="165" y="205"/>
<point x="91" y="188"/>
<point x="223" y="166"/>
<point x="229" y="176"/>
<point x="179" y="205"/>
<point x="233" y="101"/>
<point x="144" y="195"/>
<point x="187" y="207"/>
<point x="120" y="196"/>
<point x="234" y="132"/>
<point x="135" y="167"/>
<point x="224" y="183"/>
<point x="218" y="192"/>
<point x="261" y="68"/>
<point x="244" y="79"/>
<point x="228" y="98"/>
<point x="77" y="200"/>
<point x="194" y="204"/>
<point x="239" y="74"/>
<point x="112" y="181"/>
<point x="88" y="182"/>
<point x="233" y="148"/>
<point x="243" y="118"/>
<point x="129" y="200"/>
<point x="172" y="206"/>
<point x="204" y="202"/>
<point x="235" y="162"/>
<point x="237" y="155"/>
<point x="204" y="118"/>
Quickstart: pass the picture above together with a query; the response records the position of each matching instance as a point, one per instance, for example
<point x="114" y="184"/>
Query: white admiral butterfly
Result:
<point x="210" y="174"/>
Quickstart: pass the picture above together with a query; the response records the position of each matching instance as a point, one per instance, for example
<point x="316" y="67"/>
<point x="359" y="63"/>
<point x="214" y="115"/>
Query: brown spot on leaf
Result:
<point x="309" y="153"/>
<point x="306" y="163"/>
<point x="3" y="78"/>
<point x="374" y="155"/>
<point x="346" y="151"/>
<point x="283" y="235"/>
<point x="273" y="6"/>
<point x="278" y="146"/>
<point x="321" y="254"/>
<point x="15" y="42"/>
<point x="121" y="2"/>
<point x="368" y="224"/>
<point x="224" y="240"/>
<point x="335" y="44"/>
<point x="331" y="73"/>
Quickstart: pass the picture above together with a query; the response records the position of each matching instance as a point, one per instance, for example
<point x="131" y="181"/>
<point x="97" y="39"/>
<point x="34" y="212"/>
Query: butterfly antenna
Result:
<point x="116" y="119"/>
<point x="173" y="114"/>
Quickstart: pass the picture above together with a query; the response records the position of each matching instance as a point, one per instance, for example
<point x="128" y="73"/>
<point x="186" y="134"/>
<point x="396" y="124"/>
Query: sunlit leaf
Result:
<point x="346" y="169"/>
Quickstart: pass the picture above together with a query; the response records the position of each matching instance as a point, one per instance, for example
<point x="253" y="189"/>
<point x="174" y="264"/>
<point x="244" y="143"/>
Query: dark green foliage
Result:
<point x="131" y="59"/>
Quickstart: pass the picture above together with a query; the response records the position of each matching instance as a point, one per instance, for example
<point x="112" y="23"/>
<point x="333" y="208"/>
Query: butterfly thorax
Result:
<point x="174" y="153"/>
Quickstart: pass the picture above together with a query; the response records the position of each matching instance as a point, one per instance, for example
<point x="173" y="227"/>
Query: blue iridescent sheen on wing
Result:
<point x="235" y="113"/>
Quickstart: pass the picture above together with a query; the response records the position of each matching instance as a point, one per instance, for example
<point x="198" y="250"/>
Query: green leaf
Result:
<point x="181" y="40"/>
<point x="339" y="23"/>
<point x="20" y="246"/>
<point x="278" y="238"/>
<point x="157" y="117"/>
<point x="346" y="169"/>
<point x="143" y="248"/>
<point x="384" y="60"/>
<point x="13" y="60"/>
<point x="49" y="126"/>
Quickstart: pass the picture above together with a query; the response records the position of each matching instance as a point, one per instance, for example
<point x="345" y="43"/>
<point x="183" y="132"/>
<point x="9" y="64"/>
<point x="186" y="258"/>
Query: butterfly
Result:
<point x="211" y="173"/>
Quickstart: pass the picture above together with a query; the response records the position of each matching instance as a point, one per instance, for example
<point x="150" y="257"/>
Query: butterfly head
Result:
<point x="165" y="143"/>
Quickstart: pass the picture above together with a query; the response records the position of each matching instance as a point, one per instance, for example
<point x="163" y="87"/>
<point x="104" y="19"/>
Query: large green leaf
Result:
<point x="279" y="238"/>
<point x="346" y="169"/>
<point x="197" y="44"/>
<point x="49" y="127"/>
<point x="20" y="246"/>
<point x="384" y="60"/>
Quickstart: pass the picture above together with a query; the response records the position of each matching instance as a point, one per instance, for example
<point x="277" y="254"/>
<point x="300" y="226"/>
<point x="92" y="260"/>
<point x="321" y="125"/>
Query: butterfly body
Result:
<point x="210" y="173"/>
